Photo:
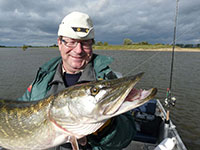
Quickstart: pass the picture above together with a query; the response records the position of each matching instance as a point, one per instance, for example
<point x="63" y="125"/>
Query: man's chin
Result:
<point x="77" y="68"/>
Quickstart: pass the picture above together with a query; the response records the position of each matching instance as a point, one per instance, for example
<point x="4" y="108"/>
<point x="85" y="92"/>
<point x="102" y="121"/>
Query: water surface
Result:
<point x="18" y="68"/>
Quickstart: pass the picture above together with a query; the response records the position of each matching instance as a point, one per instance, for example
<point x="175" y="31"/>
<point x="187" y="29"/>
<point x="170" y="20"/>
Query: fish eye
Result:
<point x="94" y="91"/>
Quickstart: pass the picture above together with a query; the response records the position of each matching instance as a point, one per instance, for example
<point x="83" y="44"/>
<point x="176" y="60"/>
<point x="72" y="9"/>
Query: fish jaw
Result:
<point x="97" y="101"/>
<point x="135" y="99"/>
<point x="125" y="98"/>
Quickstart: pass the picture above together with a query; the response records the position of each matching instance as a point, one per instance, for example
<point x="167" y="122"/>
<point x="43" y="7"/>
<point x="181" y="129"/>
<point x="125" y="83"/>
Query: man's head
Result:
<point x="76" y="25"/>
<point x="76" y="36"/>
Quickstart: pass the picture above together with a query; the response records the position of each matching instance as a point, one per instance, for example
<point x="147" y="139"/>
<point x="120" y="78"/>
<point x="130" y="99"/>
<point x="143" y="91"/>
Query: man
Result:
<point x="78" y="64"/>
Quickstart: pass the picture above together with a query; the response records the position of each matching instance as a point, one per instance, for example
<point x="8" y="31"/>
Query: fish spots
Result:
<point x="4" y="132"/>
<point x="79" y="93"/>
<point x="20" y="119"/>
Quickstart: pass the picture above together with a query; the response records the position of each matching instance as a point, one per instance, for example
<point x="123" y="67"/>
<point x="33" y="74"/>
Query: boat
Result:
<point x="155" y="131"/>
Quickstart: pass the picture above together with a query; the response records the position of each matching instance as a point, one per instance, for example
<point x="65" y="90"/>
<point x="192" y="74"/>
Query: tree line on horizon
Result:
<point x="126" y="41"/>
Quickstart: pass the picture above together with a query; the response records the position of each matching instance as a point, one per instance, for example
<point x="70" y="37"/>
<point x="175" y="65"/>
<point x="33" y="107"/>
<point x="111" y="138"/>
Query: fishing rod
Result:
<point x="170" y="101"/>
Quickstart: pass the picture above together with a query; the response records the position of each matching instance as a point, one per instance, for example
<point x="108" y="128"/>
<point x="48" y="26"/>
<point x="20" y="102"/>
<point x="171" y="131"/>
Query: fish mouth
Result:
<point x="125" y="97"/>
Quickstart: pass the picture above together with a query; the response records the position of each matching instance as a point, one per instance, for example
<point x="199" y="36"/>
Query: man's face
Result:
<point x="75" y="53"/>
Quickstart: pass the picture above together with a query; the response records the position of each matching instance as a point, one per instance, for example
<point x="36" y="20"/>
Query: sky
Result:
<point x="35" y="22"/>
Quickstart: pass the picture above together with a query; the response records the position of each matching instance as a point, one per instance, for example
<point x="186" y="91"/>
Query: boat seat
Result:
<point x="145" y="138"/>
<point x="147" y="123"/>
<point x="149" y="107"/>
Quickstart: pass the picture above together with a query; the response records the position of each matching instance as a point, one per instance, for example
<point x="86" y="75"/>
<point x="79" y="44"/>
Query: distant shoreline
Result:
<point x="149" y="47"/>
<point x="177" y="49"/>
<point x="168" y="49"/>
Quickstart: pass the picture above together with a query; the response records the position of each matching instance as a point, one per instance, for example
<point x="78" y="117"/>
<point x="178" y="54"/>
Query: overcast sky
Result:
<point x="35" y="22"/>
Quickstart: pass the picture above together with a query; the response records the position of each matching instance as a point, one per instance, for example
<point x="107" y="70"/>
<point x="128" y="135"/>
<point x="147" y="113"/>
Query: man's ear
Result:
<point x="59" y="42"/>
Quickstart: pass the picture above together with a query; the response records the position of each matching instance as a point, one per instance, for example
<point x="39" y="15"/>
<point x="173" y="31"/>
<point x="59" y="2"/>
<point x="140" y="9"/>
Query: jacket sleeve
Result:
<point x="118" y="137"/>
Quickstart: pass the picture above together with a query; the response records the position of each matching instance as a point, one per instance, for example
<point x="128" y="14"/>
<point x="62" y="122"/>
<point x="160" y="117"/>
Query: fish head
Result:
<point x="99" y="100"/>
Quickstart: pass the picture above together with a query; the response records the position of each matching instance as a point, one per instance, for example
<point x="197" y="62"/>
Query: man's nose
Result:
<point x="78" y="49"/>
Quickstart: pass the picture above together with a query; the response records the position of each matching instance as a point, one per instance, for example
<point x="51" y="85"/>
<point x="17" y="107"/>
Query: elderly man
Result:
<point x="78" y="64"/>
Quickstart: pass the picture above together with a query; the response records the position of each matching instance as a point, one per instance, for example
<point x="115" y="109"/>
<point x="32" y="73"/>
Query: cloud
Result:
<point x="36" y="22"/>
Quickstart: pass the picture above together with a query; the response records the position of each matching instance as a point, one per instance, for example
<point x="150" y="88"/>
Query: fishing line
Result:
<point x="172" y="58"/>
<point x="183" y="33"/>
<point x="143" y="63"/>
<point x="169" y="100"/>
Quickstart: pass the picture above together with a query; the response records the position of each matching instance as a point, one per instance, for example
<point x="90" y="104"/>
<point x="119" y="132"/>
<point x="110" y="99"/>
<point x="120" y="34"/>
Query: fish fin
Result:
<point x="73" y="142"/>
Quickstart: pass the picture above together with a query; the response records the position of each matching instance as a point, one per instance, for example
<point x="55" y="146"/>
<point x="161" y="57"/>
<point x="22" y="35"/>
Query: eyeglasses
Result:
<point x="72" y="44"/>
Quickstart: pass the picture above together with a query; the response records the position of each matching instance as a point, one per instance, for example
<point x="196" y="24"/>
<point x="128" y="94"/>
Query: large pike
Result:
<point x="68" y="116"/>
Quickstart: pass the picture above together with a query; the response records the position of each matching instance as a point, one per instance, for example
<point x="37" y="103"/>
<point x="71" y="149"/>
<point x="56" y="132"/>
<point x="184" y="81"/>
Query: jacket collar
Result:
<point x="95" y="66"/>
<point x="87" y="75"/>
<point x="100" y="62"/>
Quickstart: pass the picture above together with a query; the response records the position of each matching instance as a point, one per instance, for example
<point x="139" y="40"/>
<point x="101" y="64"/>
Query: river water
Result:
<point x="18" y="68"/>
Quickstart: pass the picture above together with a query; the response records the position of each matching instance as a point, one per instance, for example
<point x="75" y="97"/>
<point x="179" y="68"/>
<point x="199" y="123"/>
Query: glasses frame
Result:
<point x="84" y="43"/>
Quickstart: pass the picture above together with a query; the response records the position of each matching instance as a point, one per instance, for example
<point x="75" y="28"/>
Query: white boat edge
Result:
<point x="173" y="134"/>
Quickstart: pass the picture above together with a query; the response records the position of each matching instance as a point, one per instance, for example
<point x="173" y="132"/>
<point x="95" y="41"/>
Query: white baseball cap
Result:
<point x="77" y="25"/>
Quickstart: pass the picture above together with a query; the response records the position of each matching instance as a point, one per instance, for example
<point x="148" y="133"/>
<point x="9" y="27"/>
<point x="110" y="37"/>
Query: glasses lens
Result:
<point x="87" y="44"/>
<point x="73" y="44"/>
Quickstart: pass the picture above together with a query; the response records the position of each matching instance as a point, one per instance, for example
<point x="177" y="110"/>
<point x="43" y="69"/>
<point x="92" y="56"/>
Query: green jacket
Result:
<point x="48" y="80"/>
<point x="45" y="77"/>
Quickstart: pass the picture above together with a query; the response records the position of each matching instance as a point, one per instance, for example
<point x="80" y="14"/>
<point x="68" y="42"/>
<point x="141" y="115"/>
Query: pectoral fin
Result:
<point x="73" y="142"/>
